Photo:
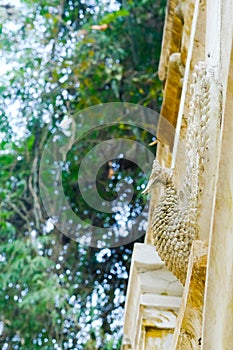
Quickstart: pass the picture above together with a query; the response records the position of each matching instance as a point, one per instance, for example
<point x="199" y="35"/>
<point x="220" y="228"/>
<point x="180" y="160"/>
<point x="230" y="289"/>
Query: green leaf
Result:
<point x="113" y="16"/>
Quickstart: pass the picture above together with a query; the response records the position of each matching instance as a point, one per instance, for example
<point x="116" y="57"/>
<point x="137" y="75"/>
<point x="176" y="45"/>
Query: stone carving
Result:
<point x="175" y="219"/>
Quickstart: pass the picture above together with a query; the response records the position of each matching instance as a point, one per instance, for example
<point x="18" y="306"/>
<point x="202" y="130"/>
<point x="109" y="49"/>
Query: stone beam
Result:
<point x="188" y="331"/>
<point x="218" y="313"/>
<point x="152" y="302"/>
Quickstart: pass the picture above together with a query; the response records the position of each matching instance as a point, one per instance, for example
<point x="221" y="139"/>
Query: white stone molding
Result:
<point x="153" y="299"/>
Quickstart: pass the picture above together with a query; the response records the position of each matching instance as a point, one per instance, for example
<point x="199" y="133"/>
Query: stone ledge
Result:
<point x="188" y="330"/>
<point x="153" y="298"/>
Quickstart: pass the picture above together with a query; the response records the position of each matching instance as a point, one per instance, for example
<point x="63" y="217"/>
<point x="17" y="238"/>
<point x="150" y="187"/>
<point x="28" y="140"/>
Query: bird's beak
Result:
<point x="146" y="190"/>
<point x="154" y="142"/>
<point x="149" y="185"/>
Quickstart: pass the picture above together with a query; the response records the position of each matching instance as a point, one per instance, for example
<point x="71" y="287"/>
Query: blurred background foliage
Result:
<point x="58" y="57"/>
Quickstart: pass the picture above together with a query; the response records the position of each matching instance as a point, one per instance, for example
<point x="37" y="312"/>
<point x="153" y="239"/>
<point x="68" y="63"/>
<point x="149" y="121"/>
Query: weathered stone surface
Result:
<point x="188" y="331"/>
<point x="153" y="298"/>
<point x="195" y="30"/>
<point x="165" y="52"/>
<point x="171" y="100"/>
<point x="218" y="312"/>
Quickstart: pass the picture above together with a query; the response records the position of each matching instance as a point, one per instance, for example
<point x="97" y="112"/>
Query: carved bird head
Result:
<point x="159" y="174"/>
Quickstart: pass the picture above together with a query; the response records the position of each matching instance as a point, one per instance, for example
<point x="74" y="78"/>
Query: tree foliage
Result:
<point x="60" y="57"/>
